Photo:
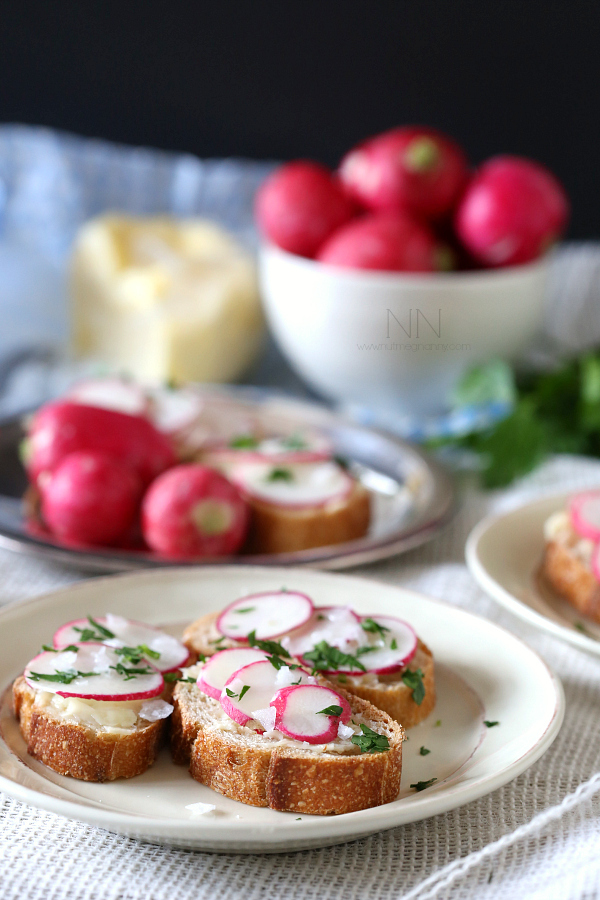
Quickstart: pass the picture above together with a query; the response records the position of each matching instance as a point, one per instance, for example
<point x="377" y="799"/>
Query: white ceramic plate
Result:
<point x="483" y="673"/>
<point x="504" y="554"/>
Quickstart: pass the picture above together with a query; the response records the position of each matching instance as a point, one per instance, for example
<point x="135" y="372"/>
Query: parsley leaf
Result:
<point x="331" y="711"/>
<point x="370" y="741"/>
<point x="373" y="627"/>
<point x="394" y="644"/>
<point x="280" y="474"/>
<point x="246" y="609"/>
<point x="171" y="677"/>
<point x="294" y="442"/>
<point x="230" y="693"/>
<point x="244" y="690"/>
<point x="414" y="680"/>
<point x="424" y="751"/>
<point x="267" y="646"/>
<point x="60" y="677"/>
<point x="422" y="785"/>
<point x="135" y="655"/>
<point x="490" y="724"/>
<point x="131" y="672"/>
<point x="243" y="442"/>
<point x="97" y="632"/>
<point x="72" y="648"/>
<point x="325" y="658"/>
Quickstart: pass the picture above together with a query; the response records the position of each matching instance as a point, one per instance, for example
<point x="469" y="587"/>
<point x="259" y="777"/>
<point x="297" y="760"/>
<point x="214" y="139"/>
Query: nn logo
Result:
<point x="416" y="324"/>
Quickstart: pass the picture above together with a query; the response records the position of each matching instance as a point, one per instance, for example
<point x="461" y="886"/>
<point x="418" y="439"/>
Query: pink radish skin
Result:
<point x="66" y="635"/>
<point x="262" y="679"/>
<point x="154" y="683"/>
<point x="411" y="169"/>
<point x="61" y="428"/>
<point x="512" y="212"/>
<point x="411" y="645"/>
<point x="90" y="498"/>
<point x="585" y="515"/>
<point x="193" y="511"/>
<point x="298" y="713"/>
<point x="270" y="614"/>
<point x="111" y="393"/>
<point x="390" y="242"/>
<point x="220" y="667"/>
<point x="300" y="205"/>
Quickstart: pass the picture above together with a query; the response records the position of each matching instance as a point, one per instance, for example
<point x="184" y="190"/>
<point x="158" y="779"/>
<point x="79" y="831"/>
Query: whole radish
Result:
<point x="300" y="205"/>
<point x="90" y="498"/>
<point x="63" y="427"/>
<point x="192" y="510"/>
<point x="512" y="212"/>
<point x="412" y="169"/>
<point x="390" y="242"/>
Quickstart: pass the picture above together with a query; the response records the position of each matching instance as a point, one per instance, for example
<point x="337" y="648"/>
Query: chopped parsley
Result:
<point x="331" y="711"/>
<point x="217" y="641"/>
<point x="424" y="751"/>
<point x="374" y="627"/>
<point x="325" y="658"/>
<point x="96" y="632"/>
<point x="394" y="644"/>
<point x="243" y="442"/>
<point x="294" y="442"/>
<point x="72" y="648"/>
<point x="246" y="609"/>
<point x="60" y="677"/>
<point x="342" y="461"/>
<point x="423" y="785"/>
<point x="438" y="723"/>
<point x="370" y="741"/>
<point x="490" y="724"/>
<point x="170" y="677"/>
<point x="414" y="680"/>
<point x="343" y="679"/>
<point x="280" y="474"/>
<point x="135" y="655"/>
<point x="267" y="646"/>
<point x="130" y="673"/>
<point x="243" y="691"/>
<point x="580" y="627"/>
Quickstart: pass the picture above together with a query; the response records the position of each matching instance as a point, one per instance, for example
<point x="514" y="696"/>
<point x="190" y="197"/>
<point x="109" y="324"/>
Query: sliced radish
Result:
<point x="273" y="450"/>
<point x="92" y="672"/>
<point x="174" y="410"/>
<point x="294" y="486"/>
<point x="301" y="713"/>
<point x="220" y="667"/>
<point x="260" y="679"/>
<point x="585" y="515"/>
<point x="127" y="633"/>
<point x="268" y="615"/>
<point x="337" y="625"/>
<point x="111" y="393"/>
<point x="394" y="649"/>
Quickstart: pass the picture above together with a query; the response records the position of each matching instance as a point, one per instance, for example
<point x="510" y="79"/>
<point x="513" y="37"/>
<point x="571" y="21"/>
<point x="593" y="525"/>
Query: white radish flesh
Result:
<point x="220" y="667"/>
<point x="99" y="678"/>
<point x="394" y="649"/>
<point x="173" y="411"/>
<point x="293" y="486"/>
<point x="268" y="615"/>
<point x="274" y="451"/>
<point x="261" y="680"/>
<point x="300" y="713"/>
<point x="339" y="626"/>
<point x="585" y="515"/>
<point x="128" y="633"/>
<point x="110" y="393"/>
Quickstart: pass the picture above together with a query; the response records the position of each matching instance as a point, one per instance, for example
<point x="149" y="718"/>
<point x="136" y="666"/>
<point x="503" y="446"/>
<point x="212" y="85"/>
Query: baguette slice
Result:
<point x="283" y="775"/>
<point x="570" y="575"/>
<point x="387" y="692"/>
<point x="283" y="529"/>
<point x="79" y="750"/>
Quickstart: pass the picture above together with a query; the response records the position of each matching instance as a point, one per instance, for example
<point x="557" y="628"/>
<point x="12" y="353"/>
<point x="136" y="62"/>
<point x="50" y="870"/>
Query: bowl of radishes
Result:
<point x="385" y="280"/>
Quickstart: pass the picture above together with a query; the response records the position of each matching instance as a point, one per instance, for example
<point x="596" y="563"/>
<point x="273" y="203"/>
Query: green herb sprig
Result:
<point x="370" y="741"/>
<point x="325" y="658"/>
<point x="60" y="677"/>
<point x="414" y="680"/>
<point x="96" y="632"/>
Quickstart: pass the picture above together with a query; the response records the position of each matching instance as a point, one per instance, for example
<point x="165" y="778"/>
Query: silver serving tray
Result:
<point x="412" y="495"/>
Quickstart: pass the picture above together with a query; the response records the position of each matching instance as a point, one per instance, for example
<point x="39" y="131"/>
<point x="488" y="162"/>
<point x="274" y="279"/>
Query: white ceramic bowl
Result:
<point x="396" y="340"/>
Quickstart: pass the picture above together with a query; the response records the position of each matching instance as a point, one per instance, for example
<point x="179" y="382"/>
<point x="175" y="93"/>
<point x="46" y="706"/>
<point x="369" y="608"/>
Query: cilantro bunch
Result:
<point x="547" y="412"/>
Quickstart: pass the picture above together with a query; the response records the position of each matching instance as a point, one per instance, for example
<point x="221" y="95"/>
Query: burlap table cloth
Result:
<point x="537" y="837"/>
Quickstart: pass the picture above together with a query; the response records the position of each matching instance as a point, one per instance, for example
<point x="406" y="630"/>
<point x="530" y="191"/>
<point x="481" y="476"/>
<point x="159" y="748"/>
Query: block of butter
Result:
<point x="164" y="299"/>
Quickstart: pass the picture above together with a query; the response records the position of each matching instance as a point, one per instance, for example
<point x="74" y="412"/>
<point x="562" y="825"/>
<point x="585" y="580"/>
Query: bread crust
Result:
<point x="571" y="577"/>
<point x="283" y="529"/>
<point x="390" y="693"/>
<point x="289" y="779"/>
<point x="80" y="751"/>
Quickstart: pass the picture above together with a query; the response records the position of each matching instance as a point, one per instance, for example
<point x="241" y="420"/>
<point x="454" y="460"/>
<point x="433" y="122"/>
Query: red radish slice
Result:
<point x="338" y="625"/>
<point x="300" y="713"/>
<point x="220" y="667"/>
<point x="268" y="615"/>
<point x="394" y="649"/>
<point x="99" y="678"/>
<point x="111" y="393"/>
<point x="127" y="633"/>
<point x="585" y="515"/>
<point x="261" y="679"/>
<point x="275" y="450"/>
<point x="174" y="410"/>
<point x="298" y="485"/>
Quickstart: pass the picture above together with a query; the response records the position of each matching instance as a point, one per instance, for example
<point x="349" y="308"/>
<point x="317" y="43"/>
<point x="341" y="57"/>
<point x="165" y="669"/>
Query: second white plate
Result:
<point x="483" y="673"/>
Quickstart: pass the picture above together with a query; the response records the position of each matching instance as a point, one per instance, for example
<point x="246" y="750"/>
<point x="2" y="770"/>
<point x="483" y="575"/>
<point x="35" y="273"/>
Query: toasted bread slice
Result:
<point x="568" y="573"/>
<point x="79" y="750"/>
<point x="388" y="692"/>
<point x="285" y="529"/>
<point x="284" y="774"/>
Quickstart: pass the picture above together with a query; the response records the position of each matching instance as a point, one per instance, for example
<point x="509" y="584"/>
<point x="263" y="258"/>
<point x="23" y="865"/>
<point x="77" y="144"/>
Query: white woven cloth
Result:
<point x="537" y="837"/>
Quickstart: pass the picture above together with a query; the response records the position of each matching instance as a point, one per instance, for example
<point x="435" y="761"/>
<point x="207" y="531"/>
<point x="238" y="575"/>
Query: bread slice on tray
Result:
<point x="406" y="694"/>
<point x="281" y="773"/>
<point x="567" y="565"/>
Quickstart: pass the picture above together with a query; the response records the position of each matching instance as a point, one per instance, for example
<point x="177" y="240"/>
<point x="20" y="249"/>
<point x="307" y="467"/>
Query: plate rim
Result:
<point x="504" y="597"/>
<point x="347" y="828"/>
<point x="440" y="510"/>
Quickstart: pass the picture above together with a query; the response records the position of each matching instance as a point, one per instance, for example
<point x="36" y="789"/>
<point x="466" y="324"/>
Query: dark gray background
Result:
<point x="278" y="79"/>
